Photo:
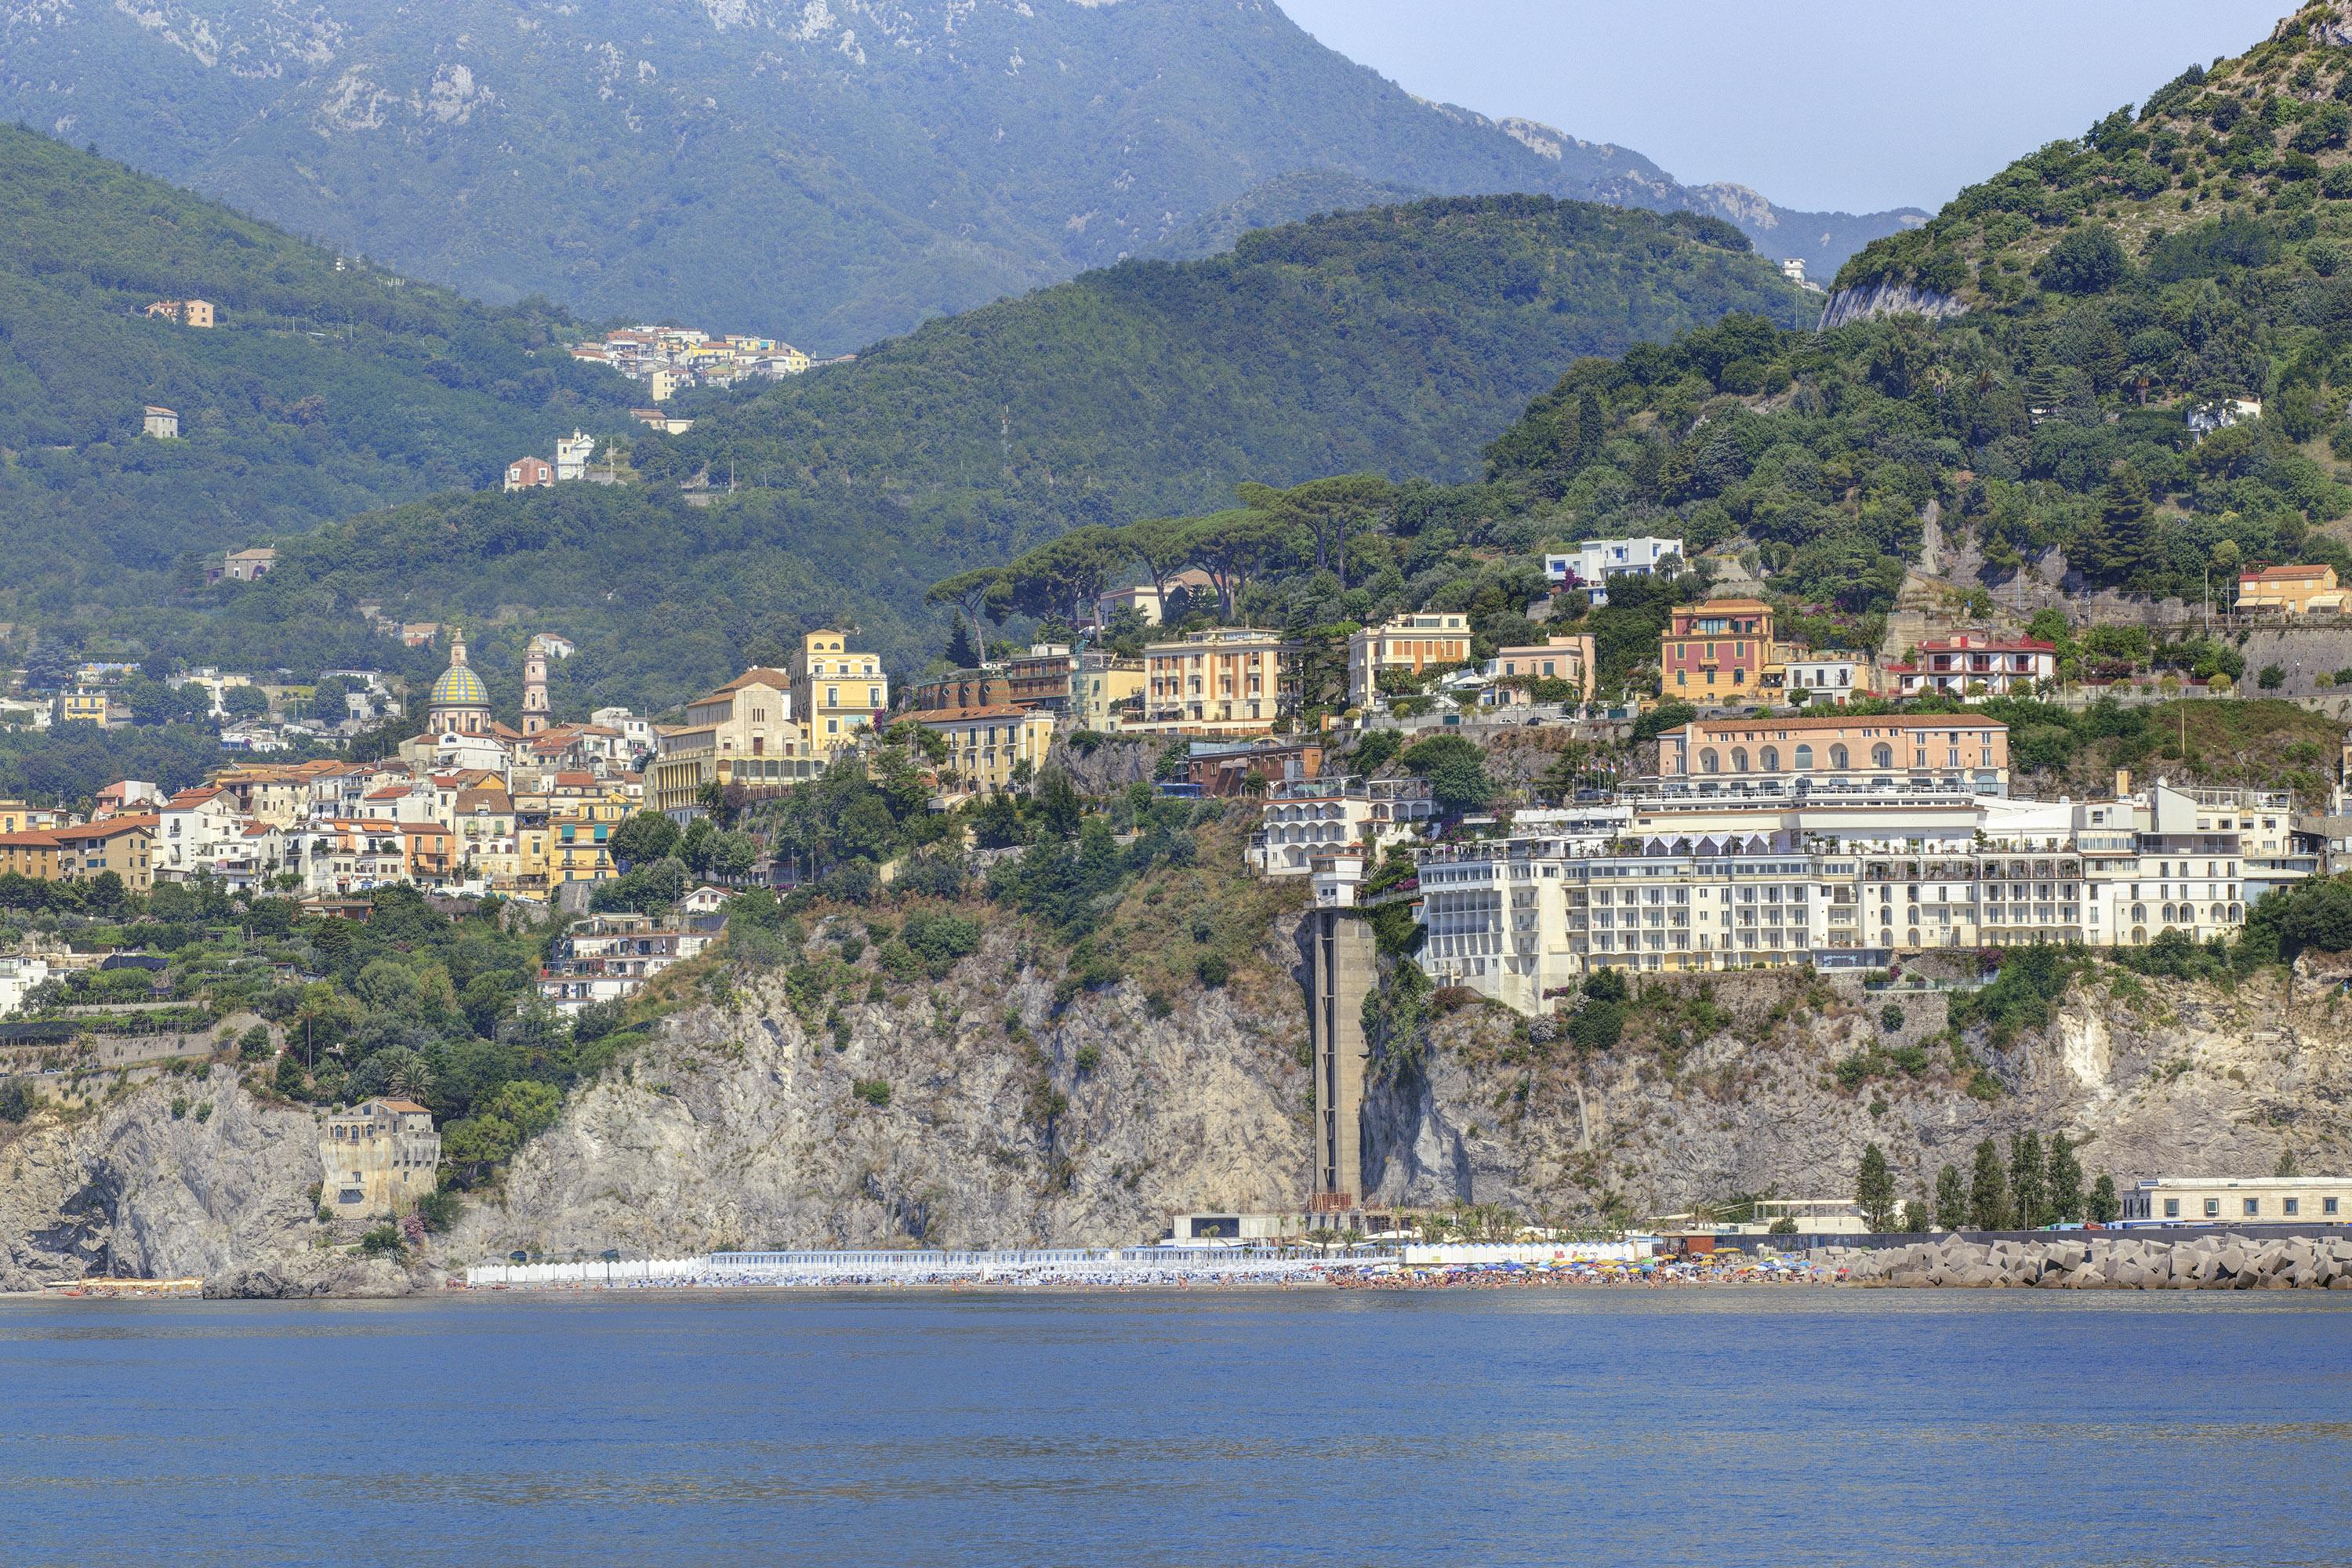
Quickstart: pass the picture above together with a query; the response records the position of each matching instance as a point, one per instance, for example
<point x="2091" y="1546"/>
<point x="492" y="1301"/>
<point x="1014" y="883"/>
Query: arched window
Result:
<point x="1881" y="756"/>
<point x="1837" y="759"/>
<point x="1738" y="759"/>
<point x="2216" y="913"/>
<point x="1770" y="760"/>
<point x="1708" y="762"/>
<point x="1804" y="759"/>
<point x="2139" y="914"/>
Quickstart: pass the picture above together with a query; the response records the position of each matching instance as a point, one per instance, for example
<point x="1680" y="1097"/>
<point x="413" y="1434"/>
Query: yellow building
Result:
<point x="379" y="1158"/>
<point x="1099" y="686"/>
<point x="1570" y="658"/>
<point x="1409" y="643"/>
<point x="81" y="706"/>
<point x="2290" y="591"/>
<point x="986" y="744"/>
<point x="577" y="849"/>
<point x="122" y="845"/>
<point x="742" y="733"/>
<point x="1225" y="681"/>
<point x="15" y="817"/>
<point x="837" y="693"/>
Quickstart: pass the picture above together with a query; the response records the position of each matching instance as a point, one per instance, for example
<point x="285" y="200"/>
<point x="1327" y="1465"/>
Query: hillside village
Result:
<point x="1903" y="645"/>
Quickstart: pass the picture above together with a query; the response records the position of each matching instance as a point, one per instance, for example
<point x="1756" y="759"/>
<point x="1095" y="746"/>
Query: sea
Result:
<point x="1723" y="1424"/>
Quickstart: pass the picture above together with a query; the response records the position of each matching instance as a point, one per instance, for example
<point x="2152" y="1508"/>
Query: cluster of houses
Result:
<point x="670" y="359"/>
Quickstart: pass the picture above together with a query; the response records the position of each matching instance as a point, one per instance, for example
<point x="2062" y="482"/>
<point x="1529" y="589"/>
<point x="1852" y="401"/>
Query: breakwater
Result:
<point x="2216" y="1262"/>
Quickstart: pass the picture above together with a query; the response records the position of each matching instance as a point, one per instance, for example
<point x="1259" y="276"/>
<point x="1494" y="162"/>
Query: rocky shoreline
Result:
<point x="2219" y="1262"/>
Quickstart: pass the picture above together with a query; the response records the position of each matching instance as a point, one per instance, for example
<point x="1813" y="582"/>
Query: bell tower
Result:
<point x="534" y="688"/>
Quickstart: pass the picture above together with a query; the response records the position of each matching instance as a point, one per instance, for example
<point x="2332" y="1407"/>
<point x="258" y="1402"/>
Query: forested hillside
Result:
<point x="2195" y="252"/>
<point x="1398" y="339"/>
<point x="321" y="393"/>
<point x="830" y="173"/>
<point x="1395" y="341"/>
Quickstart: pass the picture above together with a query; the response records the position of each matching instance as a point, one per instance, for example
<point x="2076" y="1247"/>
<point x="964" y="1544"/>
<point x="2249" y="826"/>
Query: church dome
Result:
<point x="459" y="686"/>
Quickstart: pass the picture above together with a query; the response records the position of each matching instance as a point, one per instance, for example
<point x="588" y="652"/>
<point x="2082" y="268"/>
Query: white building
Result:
<point x="1837" y="879"/>
<point x="19" y="975"/>
<point x="2241" y="1200"/>
<point x="192" y="830"/>
<point x="1592" y="564"/>
<point x="571" y="455"/>
<point x="1827" y="676"/>
<point x="1314" y="819"/>
<point x="608" y="958"/>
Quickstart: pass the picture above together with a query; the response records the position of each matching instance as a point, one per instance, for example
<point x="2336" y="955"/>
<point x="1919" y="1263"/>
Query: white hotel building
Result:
<point x="1848" y="878"/>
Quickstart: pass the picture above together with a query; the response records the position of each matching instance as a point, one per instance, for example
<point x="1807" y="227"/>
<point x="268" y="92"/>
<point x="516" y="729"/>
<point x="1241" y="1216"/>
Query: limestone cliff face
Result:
<point x="1092" y="1122"/>
<point x="129" y="1189"/>
<point x="2178" y="1079"/>
<point x="1848" y="306"/>
<point x="1088" y="1126"/>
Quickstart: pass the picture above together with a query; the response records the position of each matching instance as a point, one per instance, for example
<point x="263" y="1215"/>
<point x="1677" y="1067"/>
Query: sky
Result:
<point x="1821" y="107"/>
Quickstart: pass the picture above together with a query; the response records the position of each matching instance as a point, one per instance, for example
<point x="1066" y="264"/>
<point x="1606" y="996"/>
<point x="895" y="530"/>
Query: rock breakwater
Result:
<point x="2219" y="1262"/>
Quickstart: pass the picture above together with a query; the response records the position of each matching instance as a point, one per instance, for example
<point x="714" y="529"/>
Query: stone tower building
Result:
<point x="534" y="688"/>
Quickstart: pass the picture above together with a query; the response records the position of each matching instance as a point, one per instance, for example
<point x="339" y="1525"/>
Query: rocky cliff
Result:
<point x="180" y="1177"/>
<point x="1848" y="306"/>
<point x="1001" y="1121"/>
<point x="975" y="1110"/>
<point x="1744" y="1095"/>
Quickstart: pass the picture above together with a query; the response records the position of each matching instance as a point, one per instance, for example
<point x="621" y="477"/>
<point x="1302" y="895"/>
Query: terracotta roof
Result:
<point x="2284" y="574"/>
<point x="1724" y="604"/>
<point x="112" y="827"/>
<point x="188" y="798"/>
<point x="404" y="1106"/>
<point x="1878" y="720"/>
<point x="574" y="781"/>
<point x="30" y="838"/>
<point x="956" y="715"/>
<point x="1971" y="642"/>
<point x="389" y="792"/>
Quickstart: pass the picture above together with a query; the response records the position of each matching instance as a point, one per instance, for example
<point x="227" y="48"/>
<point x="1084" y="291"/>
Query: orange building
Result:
<point x="1720" y="650"/>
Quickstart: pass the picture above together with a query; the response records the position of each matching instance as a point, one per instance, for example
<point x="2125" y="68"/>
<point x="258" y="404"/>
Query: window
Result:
<point x="2254" y="1207"/>
<point x="1771" y="759"/>
<point x="2172" y="1208"/>
<point x="2292" y="1206"/>
<point x="1708" y="762"/>
<point x="1738" y="759"/>
<point x="1881" y="756"/>
<point x="2213" y="1208"/>
<point x="1804" y="759"/>
<point x="2327" y="1206"/>
<point x="1838" y="759"/>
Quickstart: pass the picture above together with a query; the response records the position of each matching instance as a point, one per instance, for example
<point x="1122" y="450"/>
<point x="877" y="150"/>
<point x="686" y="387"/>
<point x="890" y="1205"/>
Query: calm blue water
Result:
<point x="1725" y="1426"/>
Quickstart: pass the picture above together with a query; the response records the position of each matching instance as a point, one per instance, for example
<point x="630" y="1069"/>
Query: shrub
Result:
<point x="438" y="1210"/>
<point x="383" y="1241"/>
<point x="1088" y="1057"/>
<point x="16" y="1099"/>
<point x="873" y="1091"/>
<point x="1212" y="970"/>
<point x="1890" y="1018"/>
<point x="253" y="1045"/>
<point x="2272" y="677"/>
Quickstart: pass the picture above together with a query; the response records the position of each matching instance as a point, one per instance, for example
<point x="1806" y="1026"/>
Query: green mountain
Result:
<point x="1397" y="341"/>
<point x="830" y="173"/>
<point x="322" y="391"/>
<point x="2043" y="366"/>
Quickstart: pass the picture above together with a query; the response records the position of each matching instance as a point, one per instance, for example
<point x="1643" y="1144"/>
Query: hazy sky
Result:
<point x="1856" y="106"/>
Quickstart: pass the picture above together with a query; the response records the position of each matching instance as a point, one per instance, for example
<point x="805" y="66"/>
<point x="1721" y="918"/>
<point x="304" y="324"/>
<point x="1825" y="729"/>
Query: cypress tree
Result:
<point x="2065" y="1179"/>
<point x="2027" y="1200"/>
<point x="1989" y="1190"/>
<point x="1874" y="1190"/>
<point x="2104" y="1206"/>
<point x="1951" y="1199"/>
